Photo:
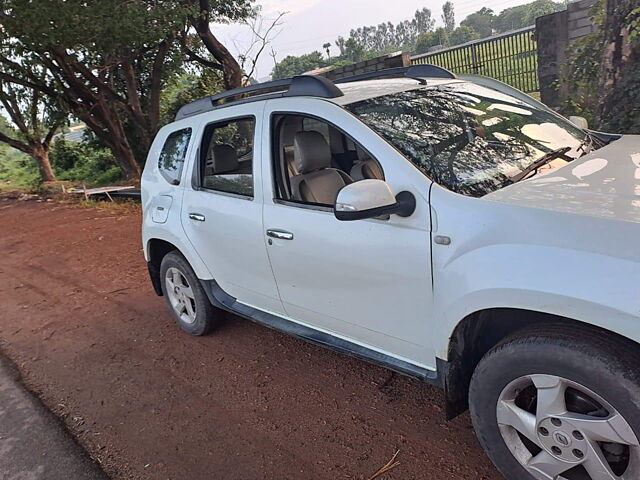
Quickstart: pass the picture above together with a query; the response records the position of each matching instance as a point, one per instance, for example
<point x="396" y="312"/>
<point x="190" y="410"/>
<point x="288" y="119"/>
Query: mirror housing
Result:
<point x="371" y="198"/>
<point x="579" y="122"/>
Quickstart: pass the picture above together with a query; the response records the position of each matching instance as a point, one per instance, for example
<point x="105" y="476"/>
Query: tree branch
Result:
<point x="27" y="83"/>
<point x="262" y="39"/>
<point x="194" y="57"/>
<point x="14" y="113"/>
<point x="47" y="139"/>
<point x="35" y="99"/>
<point x="18" y="145"/>
<point x="132" y="87"/>
<point x="156" y="83"/>
<point x="232" y="74"/>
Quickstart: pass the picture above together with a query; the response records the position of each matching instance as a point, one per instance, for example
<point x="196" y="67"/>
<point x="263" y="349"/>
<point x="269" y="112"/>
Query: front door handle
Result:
<point x="198" y="217"/>
<point x="280" y="234"/>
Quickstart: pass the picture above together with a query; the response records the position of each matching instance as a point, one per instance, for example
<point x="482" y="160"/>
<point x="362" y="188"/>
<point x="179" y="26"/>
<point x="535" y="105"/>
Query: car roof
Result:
<point x="366" y="89"/>
<point x="349" y="93"/>
<point x="342" y="91"/>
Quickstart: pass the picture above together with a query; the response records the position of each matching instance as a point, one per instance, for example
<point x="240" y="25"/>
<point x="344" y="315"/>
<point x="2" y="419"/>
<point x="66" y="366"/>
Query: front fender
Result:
<point x="505" y="256"/>
<point x="583" y="310"/>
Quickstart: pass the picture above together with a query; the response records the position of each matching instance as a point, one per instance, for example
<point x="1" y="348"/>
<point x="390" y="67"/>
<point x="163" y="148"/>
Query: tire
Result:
<point x="593" y="369"/>
<point x="185" y="296"/>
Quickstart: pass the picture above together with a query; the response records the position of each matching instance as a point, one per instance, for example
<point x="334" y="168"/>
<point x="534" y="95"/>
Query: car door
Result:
<point x="368" y="281"/>
<point x="222" y="205"/>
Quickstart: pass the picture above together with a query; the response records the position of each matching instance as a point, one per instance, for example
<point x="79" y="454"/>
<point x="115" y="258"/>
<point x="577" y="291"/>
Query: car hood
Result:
<point x="605" y="183"/>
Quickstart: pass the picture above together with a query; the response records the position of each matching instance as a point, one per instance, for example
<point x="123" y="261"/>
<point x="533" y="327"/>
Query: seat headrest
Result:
<point x="290" y="127"/>
<point x="225" y="158"/>
<point x="311" y="151"/>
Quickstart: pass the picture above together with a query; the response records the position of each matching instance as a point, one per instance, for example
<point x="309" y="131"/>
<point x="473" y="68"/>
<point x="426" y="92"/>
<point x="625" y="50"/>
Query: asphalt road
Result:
<point x="34" y="445"/>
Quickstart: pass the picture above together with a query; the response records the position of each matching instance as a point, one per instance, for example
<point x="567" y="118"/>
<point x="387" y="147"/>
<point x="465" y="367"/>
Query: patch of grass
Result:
<point x="18" y="171"/>
<point x="117" y="208"/>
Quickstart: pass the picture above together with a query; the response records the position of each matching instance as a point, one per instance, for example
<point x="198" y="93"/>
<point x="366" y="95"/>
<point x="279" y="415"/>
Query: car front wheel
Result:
<point x="559" y="403"/>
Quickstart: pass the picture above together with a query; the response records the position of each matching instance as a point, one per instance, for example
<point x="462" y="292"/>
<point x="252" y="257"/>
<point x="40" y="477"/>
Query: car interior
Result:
<point x="226" y="158"/>
<point x="314" y="160"/>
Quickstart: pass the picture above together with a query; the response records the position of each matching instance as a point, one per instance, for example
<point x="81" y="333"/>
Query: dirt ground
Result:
<point x="79" y="318"/>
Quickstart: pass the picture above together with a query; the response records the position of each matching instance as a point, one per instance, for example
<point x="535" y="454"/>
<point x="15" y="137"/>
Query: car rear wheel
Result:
<point x="559" y="404"/>
<point x="185" y="296"/>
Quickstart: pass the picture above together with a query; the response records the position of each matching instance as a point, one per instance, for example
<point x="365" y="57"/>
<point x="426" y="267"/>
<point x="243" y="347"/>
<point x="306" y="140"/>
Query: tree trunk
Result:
<point x="106" y="124"/>
<point x="231" y="71"/>
<point x="126" y="159"/>
<point x="41" y="156"/>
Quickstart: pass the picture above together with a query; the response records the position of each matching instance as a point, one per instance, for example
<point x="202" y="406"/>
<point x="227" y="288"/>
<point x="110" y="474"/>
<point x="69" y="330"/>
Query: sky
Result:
<point x="308" y="24"/>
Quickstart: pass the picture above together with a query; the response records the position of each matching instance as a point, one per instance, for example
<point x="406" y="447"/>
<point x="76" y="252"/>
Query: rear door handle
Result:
<point x="198" y="217"/>
<point x="280" y="234"/>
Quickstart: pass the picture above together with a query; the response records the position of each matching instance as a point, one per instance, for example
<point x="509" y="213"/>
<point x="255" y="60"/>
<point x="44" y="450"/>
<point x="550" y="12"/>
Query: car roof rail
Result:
<point x="298" y="86"/>
<point x="414" y="71"/>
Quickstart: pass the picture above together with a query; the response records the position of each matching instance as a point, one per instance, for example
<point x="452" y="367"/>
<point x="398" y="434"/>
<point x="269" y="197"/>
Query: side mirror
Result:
<point x="579" y="122"/>
<point x="372" y="198"/>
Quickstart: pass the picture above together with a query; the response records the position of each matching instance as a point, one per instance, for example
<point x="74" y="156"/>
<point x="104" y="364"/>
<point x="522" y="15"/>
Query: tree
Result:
<point x="263" y="31"/>
<point x="35" y="121"/>
<point x="524" y="15"/>
<point x="327" y="48"/>
<point x="185" y="88"/>
<point x="463" y="34"/>
<point x="369" y="41"/>
<point x="424" y="21"/>
<point x="449" y="20"/>
<point x="108" y="72"/>
<point x="480" y="21"/>
<point x="428" y="40"/>
<point x="201" y="15"/>
<point x="353" y="51"/>
<point x="108" y="61"/>
<point x="295" y="65"/>
<point x="340" y="44"/>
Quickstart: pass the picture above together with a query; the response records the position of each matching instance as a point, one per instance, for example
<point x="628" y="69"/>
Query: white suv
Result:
<point x="452" y="231"/>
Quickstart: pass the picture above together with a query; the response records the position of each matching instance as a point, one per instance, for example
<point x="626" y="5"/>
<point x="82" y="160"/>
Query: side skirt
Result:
<point x="223" y="300"/>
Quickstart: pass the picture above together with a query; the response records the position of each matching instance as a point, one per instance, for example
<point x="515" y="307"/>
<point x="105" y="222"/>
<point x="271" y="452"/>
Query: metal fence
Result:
<point x="510" y="57"/>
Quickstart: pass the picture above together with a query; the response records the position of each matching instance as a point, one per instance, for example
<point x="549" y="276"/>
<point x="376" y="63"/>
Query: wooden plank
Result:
<point x="95" y="191"/>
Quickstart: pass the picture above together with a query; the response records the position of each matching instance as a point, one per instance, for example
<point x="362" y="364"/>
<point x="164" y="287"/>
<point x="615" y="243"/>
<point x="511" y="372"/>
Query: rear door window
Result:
<point x="173" y="155"/>
<point x="226" y="159"/>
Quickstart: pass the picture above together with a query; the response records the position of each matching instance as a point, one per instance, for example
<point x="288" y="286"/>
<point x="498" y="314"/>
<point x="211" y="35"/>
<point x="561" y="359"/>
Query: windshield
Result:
<point x="470" y="139"/>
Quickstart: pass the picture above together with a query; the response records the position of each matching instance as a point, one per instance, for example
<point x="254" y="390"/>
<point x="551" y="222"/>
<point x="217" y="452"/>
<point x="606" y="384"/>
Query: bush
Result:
<point x="581" y="78"/>
<point x="83" y="162"/>
<point x="18" y="170"/>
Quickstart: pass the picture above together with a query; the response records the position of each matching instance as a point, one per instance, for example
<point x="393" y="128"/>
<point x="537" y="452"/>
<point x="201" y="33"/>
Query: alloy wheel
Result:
<point x="180" y="295"/>
<point x="560" y="430"/>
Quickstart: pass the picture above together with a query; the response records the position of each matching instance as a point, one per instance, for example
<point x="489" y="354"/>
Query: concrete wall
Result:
<point x="554" y="34"/>
<point x="373" y="65"/>
<point x="579" y="21"/>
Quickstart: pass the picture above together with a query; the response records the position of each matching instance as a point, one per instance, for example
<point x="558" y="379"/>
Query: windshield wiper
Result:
<point x="546" y="158"/>
<point x="589" y="144"/>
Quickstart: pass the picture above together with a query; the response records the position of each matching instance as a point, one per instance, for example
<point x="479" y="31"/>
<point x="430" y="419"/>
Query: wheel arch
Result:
<point x="155" y="250"/>
<point x="480" y="331"/>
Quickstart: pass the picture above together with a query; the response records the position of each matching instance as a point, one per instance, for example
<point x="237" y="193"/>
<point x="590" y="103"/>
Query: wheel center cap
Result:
<point x="562" y="439"/>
